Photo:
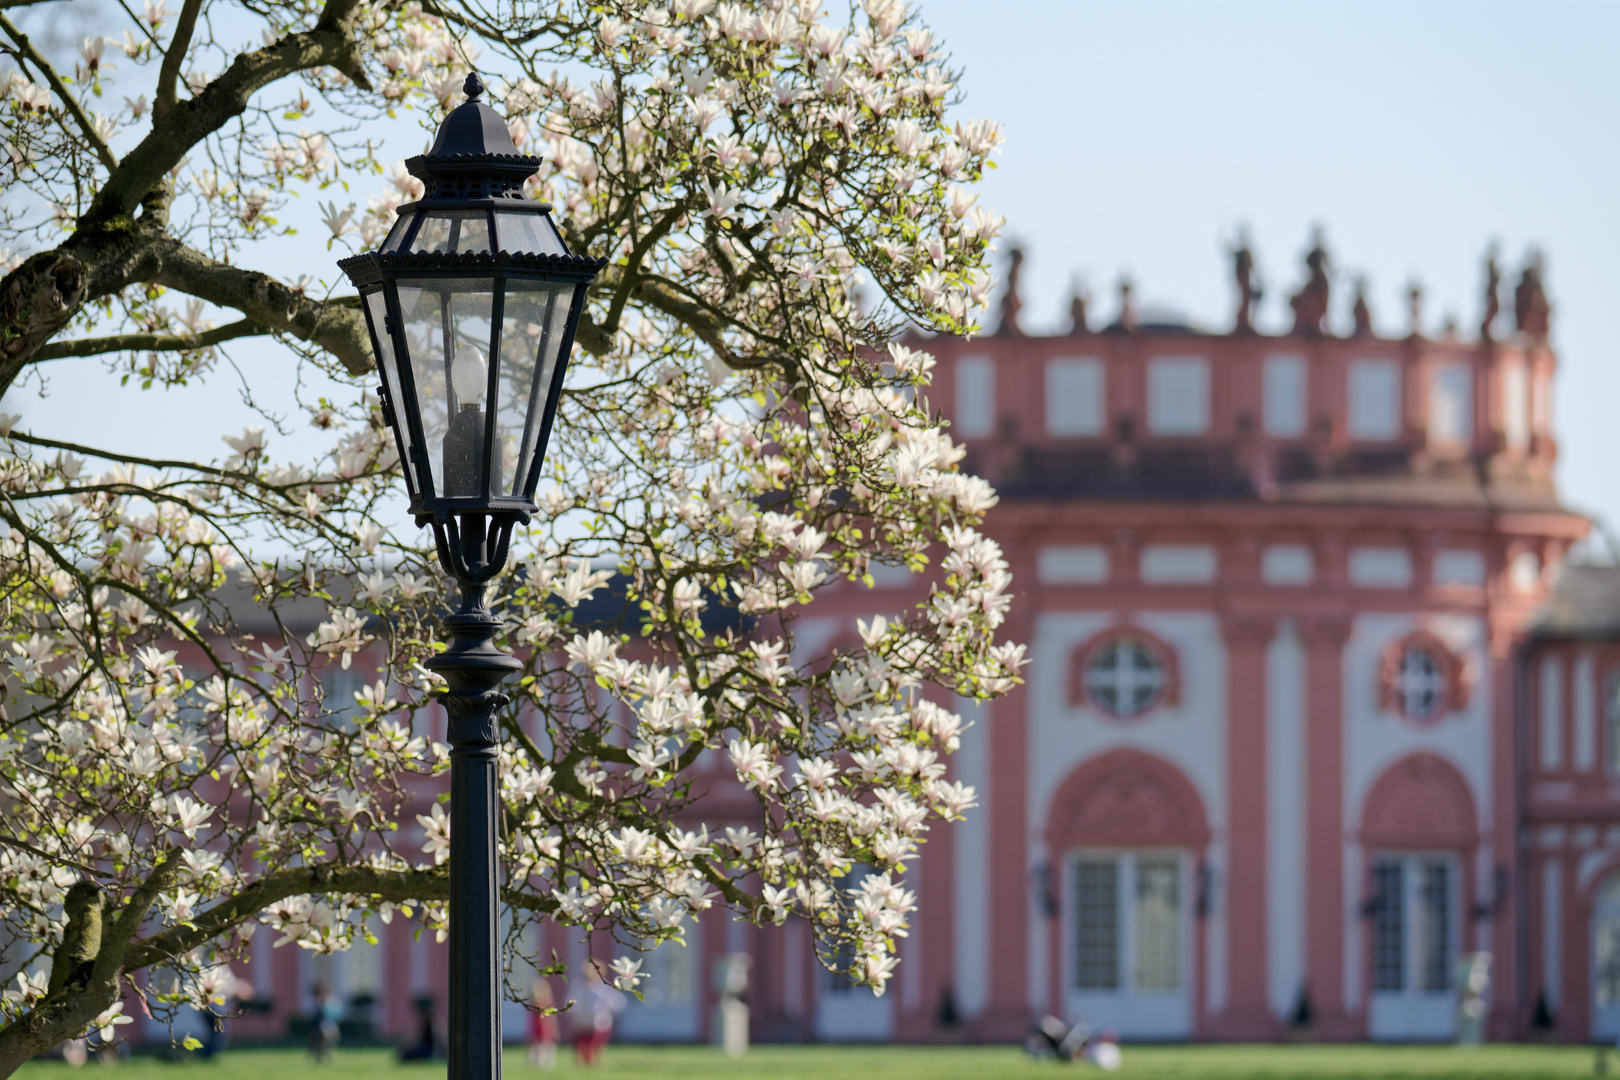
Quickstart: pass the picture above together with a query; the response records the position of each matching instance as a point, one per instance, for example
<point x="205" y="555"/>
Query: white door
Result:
<point x="1414" y="939"/>
<point x="1606" y="961"/>
<point x="670" y="994"/>
<point x="1128" y="942"/>
<point x="846" y="1012"/>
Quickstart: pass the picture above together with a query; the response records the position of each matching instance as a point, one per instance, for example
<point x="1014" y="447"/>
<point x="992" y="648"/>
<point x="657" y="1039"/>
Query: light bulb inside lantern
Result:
<point x="469" y="375"/>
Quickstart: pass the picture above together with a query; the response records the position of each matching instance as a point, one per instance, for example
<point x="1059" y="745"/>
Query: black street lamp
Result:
<point x="472" y="303"/>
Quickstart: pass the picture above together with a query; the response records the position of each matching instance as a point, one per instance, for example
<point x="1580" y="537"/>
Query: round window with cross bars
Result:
<point x="1125" y="676"/>
<point x="1420" y="683"/>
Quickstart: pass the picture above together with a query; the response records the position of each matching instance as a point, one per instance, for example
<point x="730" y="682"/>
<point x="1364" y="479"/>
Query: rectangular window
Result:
<point x="338" y="687"/>
<point x="1583" y="701"/>
<point x="1414" y="923"/>
<point x="1516" y="407"/>
<point x="1178" y="395"/>
<point x="1458" y="568"/>
<point x="1388" y="926"/>
<point x="1178" y="564"/>
<point x="1285" y="396"/>
<point x="1076" y="391"/>
<point x="1375" y="399"/>
<point x="1096" y="929"/>
<point x="1130" y="924"/>
<point x="1451" y="405"/>
<point x="1287" y="564"/>
<point x="1072" y="564"/>
<point x="1551" y="726"/>
<point x="1540" y="406"/>
<point x="1524" y="571"/>
<point x="843" y="955"/>
<point x="975" y="397"/>
<point x="1381" y="567"/>
<point x="1433" y="929"/>
<point x="1158" y="925"/>
<point x="1611" y="722"/>
<point x="668" y="967"/>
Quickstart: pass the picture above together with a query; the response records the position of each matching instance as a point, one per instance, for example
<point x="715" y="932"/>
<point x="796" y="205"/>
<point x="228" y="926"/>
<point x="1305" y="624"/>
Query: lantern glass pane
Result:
<point x="396" y="235"/>
<point x="524" y="234"/>
<point x="447" y="328"/>
<point x="452" y="232"/>
<point x="532" y="326"/>
<point x="376" y="308"/>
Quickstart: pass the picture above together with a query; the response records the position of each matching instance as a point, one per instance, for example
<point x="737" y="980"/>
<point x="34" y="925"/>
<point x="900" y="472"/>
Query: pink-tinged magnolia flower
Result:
<point x="437" y="825"/>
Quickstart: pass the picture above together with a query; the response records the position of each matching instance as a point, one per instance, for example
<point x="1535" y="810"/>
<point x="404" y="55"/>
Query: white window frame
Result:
<point x="1413" y="1012"/>
<point x="1076" y="397"/>
<point x="1133" y="1014"/>
<point x="975" y="414"/>
<point x="1178" y="564"/>
<point x="1287" y="564"/>
<point x="1451" y="405"/>
<point x="1367" y="383"/>
<point x="1178" y="396"/>
<point x="1380" y="567"/>
<point x="1516" y="407"/>
<point x="1072" y="564"/>
<point x="1458" y="567"/>
<point x="1286" y="393"/>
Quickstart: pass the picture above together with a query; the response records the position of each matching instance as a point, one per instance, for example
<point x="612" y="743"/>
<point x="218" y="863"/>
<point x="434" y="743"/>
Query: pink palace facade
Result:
<point x="1314" y="712"/>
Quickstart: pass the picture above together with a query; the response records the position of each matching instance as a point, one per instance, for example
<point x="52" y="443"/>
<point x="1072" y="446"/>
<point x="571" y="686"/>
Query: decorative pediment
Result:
<point x="1127" y="798"/>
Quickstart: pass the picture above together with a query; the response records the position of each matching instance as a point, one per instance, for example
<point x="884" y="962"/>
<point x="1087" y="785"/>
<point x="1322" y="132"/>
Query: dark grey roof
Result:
<point x="1585" y="603"/>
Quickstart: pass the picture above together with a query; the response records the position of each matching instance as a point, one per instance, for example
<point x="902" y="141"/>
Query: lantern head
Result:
<point x="472" y="303"/>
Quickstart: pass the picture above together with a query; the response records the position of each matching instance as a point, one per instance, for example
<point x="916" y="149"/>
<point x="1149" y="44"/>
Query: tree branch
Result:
<point x="58" y="350"/>
<point x="333" y="42"/>
<point x="337" y="328"/>
<point x="169" y="73"/>
<point x="87" y="127"/>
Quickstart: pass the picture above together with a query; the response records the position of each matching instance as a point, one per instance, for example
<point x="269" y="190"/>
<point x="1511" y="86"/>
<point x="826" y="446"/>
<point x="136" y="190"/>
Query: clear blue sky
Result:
<point x="1140" y="134"/>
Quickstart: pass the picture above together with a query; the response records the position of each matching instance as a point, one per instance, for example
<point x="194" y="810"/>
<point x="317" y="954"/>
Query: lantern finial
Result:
<point x="474" y="86"/>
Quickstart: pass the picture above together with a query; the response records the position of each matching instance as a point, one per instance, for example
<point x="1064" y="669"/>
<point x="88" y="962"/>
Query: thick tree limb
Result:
<point x="332" y="43"/>
<point x="67" y="1011"/>
<point x="111" y="248"/>
<point x="57" y="350"/>
<point x="336" y="327"/>
<point x="87" y="127"/>
<point x="42" y="295"/>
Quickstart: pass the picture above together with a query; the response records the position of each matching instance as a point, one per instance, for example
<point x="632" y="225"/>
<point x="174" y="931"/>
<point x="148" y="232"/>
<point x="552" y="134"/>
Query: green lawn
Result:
<point x="895" y="1063"/>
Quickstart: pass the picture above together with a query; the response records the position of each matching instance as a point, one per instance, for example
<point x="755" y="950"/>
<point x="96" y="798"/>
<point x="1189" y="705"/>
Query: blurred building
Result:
<point x="1315" y="714"/>
<point x="1316" y="711"/>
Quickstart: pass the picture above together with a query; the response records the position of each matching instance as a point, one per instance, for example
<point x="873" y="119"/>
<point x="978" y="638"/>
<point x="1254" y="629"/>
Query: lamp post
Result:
<point x="471" y="304"/>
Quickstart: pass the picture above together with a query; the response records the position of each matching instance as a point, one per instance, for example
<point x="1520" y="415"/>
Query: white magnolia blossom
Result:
<point x="739" y="438"/>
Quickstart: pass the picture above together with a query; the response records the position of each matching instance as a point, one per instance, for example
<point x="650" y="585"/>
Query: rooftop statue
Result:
<point x="1249" y="286"/>
<point x="1310" y="304"/>
<point x="1531" y="312"/>
<point x="1077" y="309"/>
<point x="1007" y="325"/>
<point x="1493" y="284"/>
<point x="1359" y="310"/>
<point x="1414" y="307"/>
<point x="1126" y="320"/>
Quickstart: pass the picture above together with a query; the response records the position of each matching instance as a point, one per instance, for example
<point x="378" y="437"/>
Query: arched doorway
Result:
<point x="1126" y="834"/>
<point x="1419" y="833"/>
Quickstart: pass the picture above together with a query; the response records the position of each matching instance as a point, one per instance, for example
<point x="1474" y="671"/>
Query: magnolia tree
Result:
<point x="779" y="189"/>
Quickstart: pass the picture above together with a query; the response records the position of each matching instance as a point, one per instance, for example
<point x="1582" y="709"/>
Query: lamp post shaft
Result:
<point x="472" y="667"/>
